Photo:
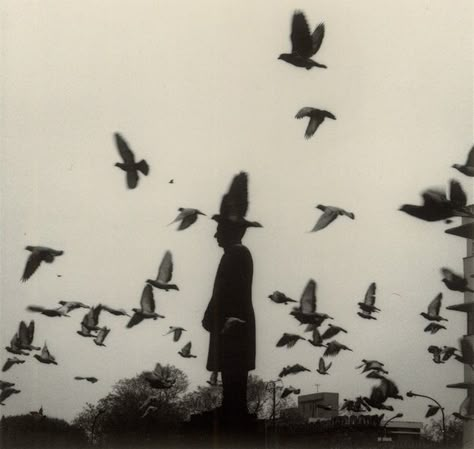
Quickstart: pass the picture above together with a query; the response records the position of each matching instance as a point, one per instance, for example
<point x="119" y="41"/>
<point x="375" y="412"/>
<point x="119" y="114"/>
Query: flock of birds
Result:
<point x="437" y="205"/>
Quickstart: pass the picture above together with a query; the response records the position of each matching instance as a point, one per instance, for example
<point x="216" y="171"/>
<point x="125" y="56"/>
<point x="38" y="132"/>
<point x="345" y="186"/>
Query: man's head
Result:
<point x="229" y="233"/>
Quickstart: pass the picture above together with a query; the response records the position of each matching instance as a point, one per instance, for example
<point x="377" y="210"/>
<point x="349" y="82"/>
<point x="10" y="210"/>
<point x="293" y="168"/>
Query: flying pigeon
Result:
<point x="330" y="213"/>
<point x="26" y="335"/>
<point x="92" y="380"/>
<point x="38" y="254"/>
<point x="288" y="340"/>
<point x="101" y="336"/>
<point x="316" y="339"/>
<point x="377" y="397"/>
<point x="304" y="45"/>
<point x="60" y="311"/>
<point x="187" y="216"/>
<point x="334" y="347"/>
<point x="160" y="377"/>
<point x="213" y="382"/>
<point x="323" y="368"/>
<point x="91" y="318"/>
<point x="332" y="331"/>
<point x="448" y="352"/>
<point x="45" y="356"/>
<point x="67" y="306"/>
<point x="433" y="310"/>
<point x="468" y="168"/>
<point x="147" y="308"/>
<point x="231" y="323"/>
<point x="86" y="332"/>
<point x="306" y="312"/>
<point x="129" y="165"/>
<point x="316" y="117"/>
<point x="15" y="346"/>
<point x="434" y="327"/>
<point x="293" y="369"/>
<point x="6" y="393"/>
<point x="280" y="298"/>
<point x="186" y="351"/>
<point x="116" y="312"/>
<point x="389" y="386"/>
<point x="4" y="384"/>
<point x="432" y="410"/>
<point x="289" y="390"/>
<point x="176" y="331"/>
<point x="10" y="362"/>
<point x="372" y="365"/>
<point x="437" y="353"/>
<point x="454" y="281"/>
<point x="369" y="300"/>
<point x="165" y="272"/>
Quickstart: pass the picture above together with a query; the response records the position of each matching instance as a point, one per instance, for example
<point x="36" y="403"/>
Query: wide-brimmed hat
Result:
<point x="235" y="203"/>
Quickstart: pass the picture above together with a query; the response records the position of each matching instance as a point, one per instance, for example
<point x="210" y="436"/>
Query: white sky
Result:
<point x="197" y="90"/>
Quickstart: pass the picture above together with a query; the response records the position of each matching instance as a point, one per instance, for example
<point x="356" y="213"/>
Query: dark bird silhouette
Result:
<point x="15" y="346"/>
<point x="213" y="380"/>
<point x="289" y="390"/>
<point x="358" y="405"/>
<point x="316" y="339"/>
<point x="10" y="362"/>
<point x="436" y="206"/>
<point x="432" y="410"/>
<point x="59" y="311"/>
<point x="147" y="308"/>
<point x="187" y="216"/>
<point x="455" y="282"/>
<point x="113" y="311"/>
<point x="377" y="397"/>
<point x="6" y="393"/>
<point x="433" y="309"/>
<point x="334" y="347"/>
<point x="45" y="356"/>
<point x="330" y="213"/>
<point x="160" y="378"/>
<point x="92" y="380"/>
<point x="26" y="335"/>
<point x="372" y="365"/>
<point x="306" y="312"/>
<point x="468" y="168"/>
<point x="72" y="305"/>
<point x="304" y="45"/>
<point x="280" y="298"/>
<point x="323" y="368"/>
<point x="448" y="352"/>
<point x="38" y="254"/>
<point x="332" y="331"/>
<point x="176" y="331"/>
<point x="186" y="351"/>
<point x="85" y="332"/>
<point x="4" y="384"/>
<point x="292" y="369"/>
<point x="316" y="117"/>
<point x="391" y="389"/>
<point x="288" y="340"/>
<point x="432" y="328"/>
<point x="91" y="318"/>
<point x="366" y="315"/>
<point x="437" y="353"/>
<point x="129" y="165"/>
<point x="101" y="336"/>
<point x="367" y="305"/>
<point x="165" y="273"/>
<point x="171" y="181"/>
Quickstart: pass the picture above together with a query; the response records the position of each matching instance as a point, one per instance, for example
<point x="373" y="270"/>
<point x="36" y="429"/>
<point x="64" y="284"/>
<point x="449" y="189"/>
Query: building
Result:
<point x="401" y="430"/>
<point x="318" y="405"/>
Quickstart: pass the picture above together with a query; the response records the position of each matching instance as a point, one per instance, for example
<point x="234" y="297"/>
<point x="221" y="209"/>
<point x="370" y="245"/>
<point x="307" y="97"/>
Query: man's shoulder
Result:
<point x="238" y="250"/>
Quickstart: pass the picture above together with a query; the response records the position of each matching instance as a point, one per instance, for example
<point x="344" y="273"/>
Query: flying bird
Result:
<point x="187" y="216"/>
<point x="129" y="165"/>
<point x="186" y="351"/>
<point x="38" y="254"/>
<point x="389" y="386"/>
<point x="288" y="340"/>
<point x="330" y="213"/>
<point x="15" y="346"/>
<point x="45" y="356"/>
<point x="10" y="362"/>
<point x="432" y="328"/>
<point x="176" y="331"/>
<point x="377" y="398"/>
<point x="6" y="393"/>
<point x="160" y="378"/>
<point x="455" y="282"/>
<point x="367" y="305"/>
<point x="468" y="168"/>
<point x="332" y="331"/>
<point x="147" y="308"/>
<point x="334" y="347"/>
<point x="289" y="390"/>
<point x="280" y="298"/>
<point x="165" y="273"/>
<point x="448" y="352"/>
<point x="292" y="369"/>
<point x="213" y="382"/>
<point x="304" y="45"/>
<point x="72" y="305"/>
<point x="437" y="353"/>
<point x="370" y="364"/>
<point x="323" y="368"/>
<point x="59" y="311"/>
<point x="434" y="307"/>
<point x="316" y="117"/>
<point x="316" y="339"/>
<point x="113" y="311"/>
<point x="26" y="335"/>
<point x="101" y="336"/>
<point x="86" y="332"/>
<point x="306" y="312"/>
<point x="91" y="318"/>
<point x="92" y="380"/>
<point x="4" y="384"/>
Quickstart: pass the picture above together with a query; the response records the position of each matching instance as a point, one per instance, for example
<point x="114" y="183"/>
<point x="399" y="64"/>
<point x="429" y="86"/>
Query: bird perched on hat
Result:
<point x="235" y="203"/>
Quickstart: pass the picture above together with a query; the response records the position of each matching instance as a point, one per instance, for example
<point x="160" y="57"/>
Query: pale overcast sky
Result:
<point x="197" y="90"/>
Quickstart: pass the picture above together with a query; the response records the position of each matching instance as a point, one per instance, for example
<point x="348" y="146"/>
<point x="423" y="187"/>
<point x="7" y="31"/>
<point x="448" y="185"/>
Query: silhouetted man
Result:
<point x="229" y="317"/>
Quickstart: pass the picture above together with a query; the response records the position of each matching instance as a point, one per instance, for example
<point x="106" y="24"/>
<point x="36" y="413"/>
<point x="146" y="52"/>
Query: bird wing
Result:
<point x="330" y="349"/>
<point x="369" y="298"/>
<point x="330" y="332"/>
<point x="165" y="272"/>
<point x="124" y="150"/>
<point x="435" y="305"/>
<point x="313" y="125"/>
<point x="324" y="220"/>
<point x="187" y="221"/>
<point x="456" y="194"/>
<point x="31" y="331"/>
<point x="447" y="274"/>
<point x="23" y="333"/>
<point x="132" y="178"/>
<point x="186" y="350"/>
<point x="235" y="202"/>
<point x="32" y="265"/>
<point x="470" y="158"/>
<point x="304" y="112"/>
<point x="45" y="352"/>
<point x="322" y="365"/>
<point x="284" y="340"/>
<point x="432" y="410"/>
<point x="300" y="36"/>
<point x="308" y="298"/>
<point x="8" y="364"/>
<point x="136" y="318"/>
<point x="147" y="301"/>
<point x="317" y="38"/>
<point x="317" y="339"/>
<point x="95" y="313"/>
<point x="177" y="334"/>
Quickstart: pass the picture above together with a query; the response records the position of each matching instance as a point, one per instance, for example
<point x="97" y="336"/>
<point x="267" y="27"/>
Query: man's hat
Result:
<point x="235" y="203"/>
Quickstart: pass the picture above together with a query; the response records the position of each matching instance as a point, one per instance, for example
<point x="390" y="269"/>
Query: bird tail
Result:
<point x="143" y="167"/>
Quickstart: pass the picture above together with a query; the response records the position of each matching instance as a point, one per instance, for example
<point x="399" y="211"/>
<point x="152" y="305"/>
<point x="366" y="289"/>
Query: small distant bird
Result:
<point x="330" y="213"/>
<point x="448" y="352"/>
<point x="280" y="298"/>
<point x="290" y="390"/>
<point x="433" y="309"/>
<point x="323" y="368"/>
<point x="358" y="405"/>
<point x="231" y="323"/>
<point x="316" y="339"/>
<point x="15" y="346"/>
<point x="101" y="336"/>
<point x="304" y="45"/>
<point x="165" y="273"/>
<point x="60" y="311"/>
<point x="455" y="282"/>
<point x="306" y="312"/>
<point x="437" y="353"/>
<point x="45" y="356"/>
<point x="4" y="384"/>
<point x="432" y="410"/>
<point x="72" y="305"/>
<point x="213" y="382"/>
<point x="160" y="378"/>
<point x="26" y="334"/>
<point x="288" y="340"/>
<point x="38" y="254"/>
<point x="369" y="300"/>
<point x="292" y="369"/>
<point x="187" y="216"/>
<point x="113" y="311"/>
<point x="434" y="327"/>
<point x="147" y="308"/>
<point x="92" y="380"/>
<point x="316" y="117"/>
<point x="6" y="393"/>
<point x="176" y="331"/>
<point x="129" y="165"/>
<point x="332" y="331"/>
<point x="171" y="181"/>
<point x="334" y="347"/>
<point x="91" y="318"/>
<point x="372" y="365"/>
<point x="186" y="351"/>
<point x="10" y="362"/>
<point x="468" y="168"/>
